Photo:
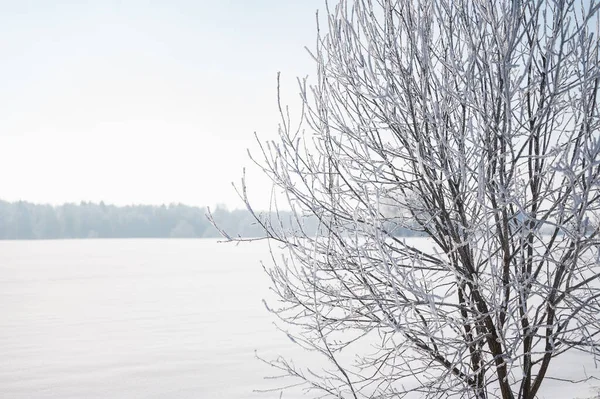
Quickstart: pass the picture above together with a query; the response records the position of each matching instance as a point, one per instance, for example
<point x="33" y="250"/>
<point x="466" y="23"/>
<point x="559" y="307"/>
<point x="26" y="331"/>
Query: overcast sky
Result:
<point x="143" y="101"/>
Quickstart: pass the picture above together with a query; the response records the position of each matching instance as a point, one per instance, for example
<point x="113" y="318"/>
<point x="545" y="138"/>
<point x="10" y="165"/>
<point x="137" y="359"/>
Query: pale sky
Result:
<point x="144" y="102"/>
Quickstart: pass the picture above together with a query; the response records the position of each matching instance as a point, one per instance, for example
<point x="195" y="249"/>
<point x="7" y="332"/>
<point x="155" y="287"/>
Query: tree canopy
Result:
<point x="477" y="124"/>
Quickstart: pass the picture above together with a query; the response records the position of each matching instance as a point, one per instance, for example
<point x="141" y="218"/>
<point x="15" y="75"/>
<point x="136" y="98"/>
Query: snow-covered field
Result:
<point x="147" y="319"/>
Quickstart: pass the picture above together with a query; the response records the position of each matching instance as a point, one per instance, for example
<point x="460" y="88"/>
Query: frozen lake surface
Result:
<point x="145" y="319"/>
<point x="133" y="319"/>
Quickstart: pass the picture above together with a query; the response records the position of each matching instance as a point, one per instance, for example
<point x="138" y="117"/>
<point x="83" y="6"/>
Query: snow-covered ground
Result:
<point x="149" y="319"/>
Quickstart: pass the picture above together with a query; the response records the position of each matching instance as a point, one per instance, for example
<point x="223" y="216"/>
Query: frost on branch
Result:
<point x="474" y="124"/>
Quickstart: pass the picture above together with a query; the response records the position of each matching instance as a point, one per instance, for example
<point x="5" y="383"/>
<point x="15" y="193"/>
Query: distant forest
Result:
<point x="26" y="221"/>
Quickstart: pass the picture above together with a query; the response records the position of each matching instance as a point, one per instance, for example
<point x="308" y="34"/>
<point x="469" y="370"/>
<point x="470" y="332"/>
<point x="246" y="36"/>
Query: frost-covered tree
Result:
<point x="475" y="124"/>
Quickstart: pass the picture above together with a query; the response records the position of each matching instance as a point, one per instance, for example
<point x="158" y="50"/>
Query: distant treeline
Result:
<point x="24" y="220"/>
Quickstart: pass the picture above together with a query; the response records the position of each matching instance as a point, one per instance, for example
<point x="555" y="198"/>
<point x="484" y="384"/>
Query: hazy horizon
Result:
<point x="135" y="102"/>
<point x="217" y="205"/>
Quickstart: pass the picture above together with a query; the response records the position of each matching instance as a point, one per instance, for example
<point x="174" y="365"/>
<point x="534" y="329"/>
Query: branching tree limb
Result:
<point x="476" y="125"/>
